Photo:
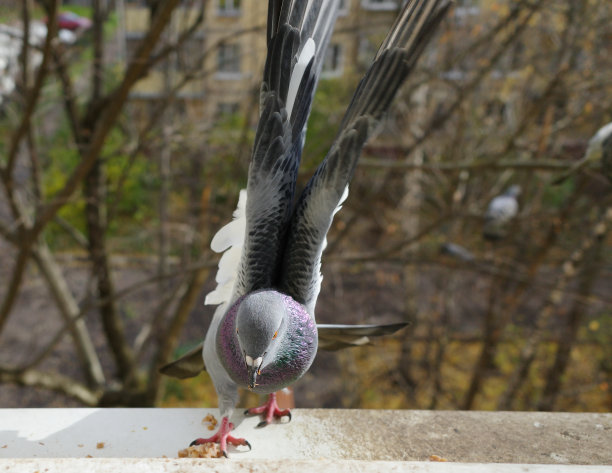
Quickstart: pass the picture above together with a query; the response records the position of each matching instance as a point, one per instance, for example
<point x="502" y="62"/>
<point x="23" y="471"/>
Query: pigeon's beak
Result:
<point x="252" y="376"/>
<point x="253" y="369"/>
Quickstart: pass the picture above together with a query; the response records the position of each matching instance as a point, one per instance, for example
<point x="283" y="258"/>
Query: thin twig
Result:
<point x="32" y="96"/>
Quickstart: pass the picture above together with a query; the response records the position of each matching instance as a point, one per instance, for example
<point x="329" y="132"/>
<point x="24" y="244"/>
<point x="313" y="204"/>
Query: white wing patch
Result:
<point x="318" y="277"/>
<point x="308" y="52"/>
<point x="230" y="240"/>
<point x="336" y="210"/>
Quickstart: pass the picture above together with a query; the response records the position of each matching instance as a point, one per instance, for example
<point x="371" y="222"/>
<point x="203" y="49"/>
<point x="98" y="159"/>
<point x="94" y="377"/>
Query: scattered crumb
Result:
<point x="211" y="420"/>
<point x="145" y="428"/>
<point x="40" y="443"/>
<point x="436" y="458"/>
<point x="80" y="445"/>
<point x="206" y="450"/>
<point x="88" y="456"/>
<point x="4" y="446"/>
<point x="100" y="445"/>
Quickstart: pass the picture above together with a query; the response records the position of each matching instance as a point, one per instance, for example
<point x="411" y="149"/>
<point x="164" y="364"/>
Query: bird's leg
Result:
<point x="223" y="437"/>
<point x="269" y="410"/>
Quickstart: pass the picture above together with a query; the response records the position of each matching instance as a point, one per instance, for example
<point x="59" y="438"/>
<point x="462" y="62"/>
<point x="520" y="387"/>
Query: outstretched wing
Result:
<point x="298" y="34"/>
<point x="328" y="187"/>
<point x="335" y="337"/>
<point x="331" y="337"/>
<point x="187" y="366"/>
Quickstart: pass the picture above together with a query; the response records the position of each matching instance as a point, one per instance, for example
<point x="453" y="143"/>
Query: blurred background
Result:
<point x="125" y="134"/>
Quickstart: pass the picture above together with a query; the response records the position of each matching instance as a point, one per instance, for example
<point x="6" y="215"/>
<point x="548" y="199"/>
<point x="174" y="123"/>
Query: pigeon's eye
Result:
<point x="275" y="335"/>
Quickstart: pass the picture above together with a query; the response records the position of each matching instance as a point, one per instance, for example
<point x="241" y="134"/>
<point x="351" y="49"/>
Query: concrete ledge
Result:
<point x="317" y="439"/>
<point x="155" y="465"/>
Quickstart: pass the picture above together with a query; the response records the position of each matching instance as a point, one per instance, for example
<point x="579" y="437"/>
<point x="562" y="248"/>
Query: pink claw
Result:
<point x="270" y="410"/>
<point x="223" y="437"/>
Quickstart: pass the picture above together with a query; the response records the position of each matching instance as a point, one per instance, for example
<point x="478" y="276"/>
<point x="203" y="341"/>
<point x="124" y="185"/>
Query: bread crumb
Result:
<point x="436" y="458"/>
<point x="88" y="456"/>
<point x="211" y="420"/>
<point x="100" y="445"/>
<point x="206" y="450"/>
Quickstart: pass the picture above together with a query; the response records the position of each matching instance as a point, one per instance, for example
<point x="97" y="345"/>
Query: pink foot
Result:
<point x="223" y="437"/>
<point x="269" y="410"/>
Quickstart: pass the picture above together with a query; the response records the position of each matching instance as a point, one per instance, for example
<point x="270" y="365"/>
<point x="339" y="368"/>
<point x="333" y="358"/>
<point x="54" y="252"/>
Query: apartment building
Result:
<point x="224" y="59"/>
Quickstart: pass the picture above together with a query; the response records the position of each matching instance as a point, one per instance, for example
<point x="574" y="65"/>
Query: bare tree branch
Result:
<point x="52" y="381"/>
<point x="32" y="96"/>
<point x="555" y="298"/>
<point x="111" y="109"/>
<point x="69" y="310"/>
<point x="489" y="164"/>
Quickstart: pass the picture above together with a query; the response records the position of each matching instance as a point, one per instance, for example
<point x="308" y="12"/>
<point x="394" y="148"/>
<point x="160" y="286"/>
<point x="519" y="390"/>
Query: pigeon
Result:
<point x="594" y="152"/>
<point x="263" y="336"/>
<point x="457" y="251"/>
<point x="501" y="210"/>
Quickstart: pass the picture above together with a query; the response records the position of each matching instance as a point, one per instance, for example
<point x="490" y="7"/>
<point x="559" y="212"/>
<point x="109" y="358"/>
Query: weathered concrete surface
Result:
<point x="183" y="465"/>
<point x="322" y="435"/>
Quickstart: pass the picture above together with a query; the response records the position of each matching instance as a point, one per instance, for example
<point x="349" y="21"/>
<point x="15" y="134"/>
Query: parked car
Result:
<point x="68" y="20"/>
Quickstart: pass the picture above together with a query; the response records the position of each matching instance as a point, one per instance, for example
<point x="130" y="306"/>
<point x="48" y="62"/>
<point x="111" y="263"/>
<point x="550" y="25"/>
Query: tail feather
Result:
<point x="320" y="199"/>
<point x="297" y="35"/>
<point x="398" y="54"/>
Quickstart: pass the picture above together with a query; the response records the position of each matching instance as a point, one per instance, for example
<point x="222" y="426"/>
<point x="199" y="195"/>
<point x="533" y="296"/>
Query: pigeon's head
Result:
<point x="514" y="191"/>
<point x="260" y="325"/>
<point x="266" y="341"/>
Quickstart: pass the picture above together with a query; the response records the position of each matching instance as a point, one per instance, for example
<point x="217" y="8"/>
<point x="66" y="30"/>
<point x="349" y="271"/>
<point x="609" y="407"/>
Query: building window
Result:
<point x="228" y="61"/>
<point x="226" y="109"/>
<point x="466" y="8"/>
<point x="343" y="7"/>
<point x="228" y="7"/>
<point x="454" y="75"/>
<point x="190" y="54"/>
<point x="366" y="51"/>
<point x="132" y="42"/>
<point x="332" y="64"/>
<point x="383" y="5"/>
